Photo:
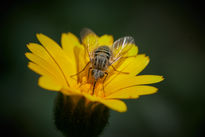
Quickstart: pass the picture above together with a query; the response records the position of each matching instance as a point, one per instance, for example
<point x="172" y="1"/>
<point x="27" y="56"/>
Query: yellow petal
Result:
<point x="71" y="45"/>
<point x="148" y="79"/>
<point x="42" y="54"/>
<point x="36" y="68"/>
<point x="46" y="66"/>
<point x="106" y="40"/>
<point x="41" y="57"/>
<point x="48" y="83"/>
<point x="82" y="60"/>
<point x="69" y="41"/>
<point x="116" y="105"/>
<point x="71" y="91"/>
<point x="132" y="65"/>
<point x="132" y="92"/>
<point x="91" y="98"/>
<point x="123" y="80"/>
<point x="133" y="51"/>
<point x="65" y="65"/>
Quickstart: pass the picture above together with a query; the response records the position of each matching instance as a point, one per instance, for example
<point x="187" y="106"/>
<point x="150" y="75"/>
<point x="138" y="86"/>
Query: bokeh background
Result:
<point x="170" y="32"/>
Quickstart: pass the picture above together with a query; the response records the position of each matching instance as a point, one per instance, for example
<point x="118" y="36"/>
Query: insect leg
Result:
<point x="94" y="86"/>
<point x="104" y="81"/>
<point x="89" y="72"/>
<point x="119" y="71"/>
<point x="81" y="70"/>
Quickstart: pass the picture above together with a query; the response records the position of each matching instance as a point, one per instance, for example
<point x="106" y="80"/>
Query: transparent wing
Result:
<point x="121" y="47"/>
<point x="89" y="40"/>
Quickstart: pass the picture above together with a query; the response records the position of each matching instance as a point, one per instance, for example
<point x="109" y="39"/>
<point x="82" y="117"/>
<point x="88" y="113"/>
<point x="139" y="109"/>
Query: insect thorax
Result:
<point x="101" y="57"/>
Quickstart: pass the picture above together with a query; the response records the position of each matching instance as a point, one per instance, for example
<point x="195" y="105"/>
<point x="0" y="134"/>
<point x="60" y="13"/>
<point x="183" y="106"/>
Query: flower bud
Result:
<point x="75" y="116"/>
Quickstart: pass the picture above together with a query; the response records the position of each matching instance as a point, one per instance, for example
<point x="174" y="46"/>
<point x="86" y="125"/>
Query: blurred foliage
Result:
<point x="170" y="32"/>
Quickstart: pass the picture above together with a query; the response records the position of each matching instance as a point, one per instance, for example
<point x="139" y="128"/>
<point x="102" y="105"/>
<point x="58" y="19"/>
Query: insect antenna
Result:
<point x="104" y="82"/>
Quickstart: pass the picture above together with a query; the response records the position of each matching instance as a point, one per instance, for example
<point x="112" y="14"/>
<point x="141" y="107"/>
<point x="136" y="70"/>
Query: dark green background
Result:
<point x="170" y="32"/>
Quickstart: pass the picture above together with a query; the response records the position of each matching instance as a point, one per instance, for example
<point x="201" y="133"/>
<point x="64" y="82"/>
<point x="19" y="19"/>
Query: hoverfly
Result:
<point x="103" y="56"/>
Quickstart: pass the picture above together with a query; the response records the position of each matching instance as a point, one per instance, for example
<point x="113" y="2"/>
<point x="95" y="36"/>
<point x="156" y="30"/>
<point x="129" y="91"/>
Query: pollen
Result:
<point x="86" y="87"/>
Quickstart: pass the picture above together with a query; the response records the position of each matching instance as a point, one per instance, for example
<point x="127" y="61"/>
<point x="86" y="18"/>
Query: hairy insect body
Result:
<point x="100" y="61"/>
<point x="102" y="56"/>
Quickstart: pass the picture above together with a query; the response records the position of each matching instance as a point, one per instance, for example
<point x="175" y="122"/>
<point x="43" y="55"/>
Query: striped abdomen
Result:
<point x="101" y="58"/>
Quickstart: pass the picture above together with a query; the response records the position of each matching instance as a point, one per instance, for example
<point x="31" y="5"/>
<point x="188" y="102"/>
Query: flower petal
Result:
<point x="49" y="84"/>
<point x="45" y="67"/>
<point x="69" y="41"/>
<point x="148" y="79"/>
<point x="133" y="51"/>
<point x="65" y="65"/>
<point x="42" y="54"/>
<point x="106" y="40"/>
<point x="132" y="92"/>
<point x="47" y="80"/>
<point x="116" y="105"/>
<point x="123" y="80"/>
<point x="132" y="65"/>
<point x="36" y="68"/>
<point x="71" y="91"/>
<point x="82" y="60"/>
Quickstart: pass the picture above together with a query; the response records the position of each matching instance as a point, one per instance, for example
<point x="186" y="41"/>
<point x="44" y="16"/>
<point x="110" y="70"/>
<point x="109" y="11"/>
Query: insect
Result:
<point x="103" y="56"/>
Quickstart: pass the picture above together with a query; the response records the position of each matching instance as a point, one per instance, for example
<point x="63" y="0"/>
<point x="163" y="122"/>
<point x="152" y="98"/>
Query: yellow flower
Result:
<point x="57" y="64"/>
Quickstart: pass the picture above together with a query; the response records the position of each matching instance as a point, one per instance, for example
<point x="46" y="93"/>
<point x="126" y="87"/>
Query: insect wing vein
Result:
<point x="121" y="47"/>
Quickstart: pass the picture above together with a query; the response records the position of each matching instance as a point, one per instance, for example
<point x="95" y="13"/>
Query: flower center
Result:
<point x="87" y="88"/>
